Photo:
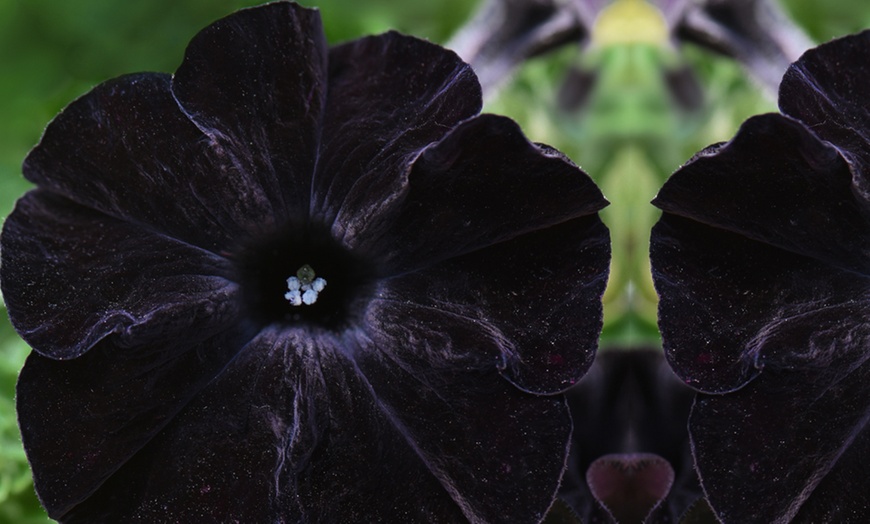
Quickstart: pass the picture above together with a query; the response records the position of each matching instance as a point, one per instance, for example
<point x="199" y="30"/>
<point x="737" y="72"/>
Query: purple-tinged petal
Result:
<point x="723" y="297"/>
<point x="771" y="214"/>
<point x="764" y="280"/>
<point x="389" y="97"/>
<point x="825" y="90"/>
<point x="793" y="446"/>
<point x="84" y="418"/>
<point x="630" y="485"/>
<point x="126" y="149"/>
<point x="531" y="305"/>
<point x="260" y="100"/>
<point x="72" y="276"/>
<point x="466" y="198"/>
<point x="499" y="452"/>
<point x="219" y="459"/>
<point x="778" y="183"/>
<point x="310" y="436"/>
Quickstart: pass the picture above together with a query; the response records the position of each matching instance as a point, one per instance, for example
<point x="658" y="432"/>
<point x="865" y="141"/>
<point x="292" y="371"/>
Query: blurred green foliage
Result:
<point x="630" y="138"/>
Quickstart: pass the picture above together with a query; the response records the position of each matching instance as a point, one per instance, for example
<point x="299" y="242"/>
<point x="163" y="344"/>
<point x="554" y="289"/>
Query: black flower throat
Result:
<point x="265" y="265"/>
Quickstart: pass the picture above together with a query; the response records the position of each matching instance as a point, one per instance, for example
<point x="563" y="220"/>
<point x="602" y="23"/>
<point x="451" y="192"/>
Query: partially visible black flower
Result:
<point x="190" y="364"/>
<point x="762" y="262"/>
<point x="630" y="461"/>
<point x="505" y="33"/>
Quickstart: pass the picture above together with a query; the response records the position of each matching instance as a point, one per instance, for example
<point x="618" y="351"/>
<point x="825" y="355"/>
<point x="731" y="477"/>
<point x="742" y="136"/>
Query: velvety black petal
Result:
<point x="84" y="418"/>
<point x="220" y="459"/>
<point x="314" y="428"/>
<point x="798" y="327"/>
<point x="468" y="197"/>
<point x="779" y="183"/>
<point x="255" y="84"/>
<point x="761" y="261"/>
<point x="126" y="149"/>
<point x="724" y="296"/>
<point x="499" y="452"/>
<point x="791" y="194"/>
<point x="825" y="90"/>
<point x="72" y="276"/>
<point x="531" y="305"/>
<point x="793" y="446"/>
<point x="389" y="97"/>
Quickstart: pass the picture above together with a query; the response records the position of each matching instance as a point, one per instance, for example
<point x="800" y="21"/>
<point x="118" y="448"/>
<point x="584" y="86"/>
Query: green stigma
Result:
<point x="305" y="274"/>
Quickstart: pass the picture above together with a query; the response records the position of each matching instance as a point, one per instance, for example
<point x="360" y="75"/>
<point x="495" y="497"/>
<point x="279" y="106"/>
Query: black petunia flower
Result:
<point x="294" y="283"/>
<point x="762" y="261"/>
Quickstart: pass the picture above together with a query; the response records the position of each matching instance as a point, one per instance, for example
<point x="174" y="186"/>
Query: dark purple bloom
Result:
<point x="188" y="366"/>
<point x="762" y="262"/>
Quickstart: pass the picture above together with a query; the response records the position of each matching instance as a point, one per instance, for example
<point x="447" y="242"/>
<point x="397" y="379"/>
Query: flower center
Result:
<point x="284" y="279"/>
<point x="304" y="287"/>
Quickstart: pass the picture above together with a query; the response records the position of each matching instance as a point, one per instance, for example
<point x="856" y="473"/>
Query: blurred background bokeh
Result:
<point x="628" y="133"/>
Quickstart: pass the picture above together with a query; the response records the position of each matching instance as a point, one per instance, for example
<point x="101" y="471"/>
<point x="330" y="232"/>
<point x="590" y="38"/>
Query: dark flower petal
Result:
<point x="260" y="100"/>
<point x="497" y="451"/>
<point x="73" y="276"/>
<point x="761" y="262"/>
<point x="798" y="327"/>
<point x="466" y="198"/>
<point x="793" y="446"/>
<point x="389" y="97"/>
<point x="532" y="304"/>
<point x="126" y="149"/>
<point x="108" y="403"/>
<point x="630" y="486"/>
<point x="724" y="296"/>
<point x="718" y="291"/>
<point x="741" y="187"/>
<point x="824" y="91"/>
<point x="342" y="440"/>
<point x="221" y="458"/>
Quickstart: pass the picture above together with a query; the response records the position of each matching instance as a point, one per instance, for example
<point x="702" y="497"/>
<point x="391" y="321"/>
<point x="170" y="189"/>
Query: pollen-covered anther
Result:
<point x="304" y="287"/>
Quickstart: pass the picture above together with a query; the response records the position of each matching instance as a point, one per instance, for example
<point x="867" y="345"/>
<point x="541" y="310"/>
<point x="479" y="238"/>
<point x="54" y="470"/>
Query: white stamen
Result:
<point x="294" y="296"/>
<point x="304" y="289"/>
<point x="309" y="297"/>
